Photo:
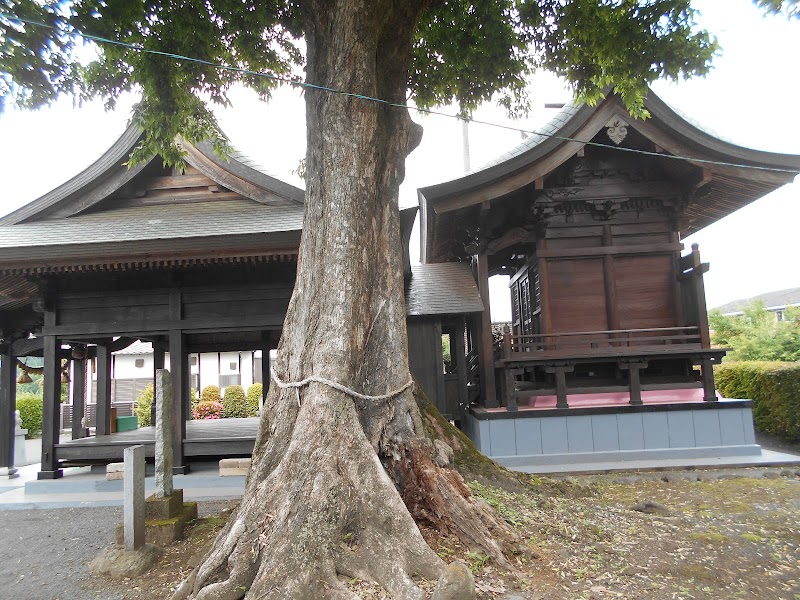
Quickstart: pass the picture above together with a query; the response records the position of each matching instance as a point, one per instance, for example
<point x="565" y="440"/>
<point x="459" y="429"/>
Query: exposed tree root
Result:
<point x="329" y="508"/>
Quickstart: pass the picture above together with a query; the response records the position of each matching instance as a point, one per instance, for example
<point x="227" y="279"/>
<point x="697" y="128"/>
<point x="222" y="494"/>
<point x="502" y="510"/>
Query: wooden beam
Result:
<point x="610" y="250"/>
<point x="610" y="191"/>
<point x="51" y="403"/>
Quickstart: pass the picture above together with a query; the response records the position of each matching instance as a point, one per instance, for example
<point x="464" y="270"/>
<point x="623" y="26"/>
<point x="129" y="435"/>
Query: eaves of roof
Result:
<point x="442" y="288"/>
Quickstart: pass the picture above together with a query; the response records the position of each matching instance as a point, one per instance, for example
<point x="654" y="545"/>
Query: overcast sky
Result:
<point x="750" y="98"/>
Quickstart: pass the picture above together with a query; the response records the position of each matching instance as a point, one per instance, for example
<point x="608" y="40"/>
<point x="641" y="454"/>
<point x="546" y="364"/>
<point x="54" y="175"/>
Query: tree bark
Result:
<point x="335" y="480"/>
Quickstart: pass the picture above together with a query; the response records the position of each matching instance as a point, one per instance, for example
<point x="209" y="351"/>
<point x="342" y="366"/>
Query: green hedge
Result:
<point x="254" y="393"/>
<point x="774" y="388"/>
<point x="31" y="408"/>
<point x="234" y="403"/>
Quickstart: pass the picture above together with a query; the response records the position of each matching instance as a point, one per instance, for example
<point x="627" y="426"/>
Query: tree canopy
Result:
<point x="757" y="334"/>
<point x="463" y="52"/>
<point x="341" y="473"/>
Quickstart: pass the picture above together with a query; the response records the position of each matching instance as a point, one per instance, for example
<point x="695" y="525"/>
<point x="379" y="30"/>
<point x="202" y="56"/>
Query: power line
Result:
<point x="426" y="111"/>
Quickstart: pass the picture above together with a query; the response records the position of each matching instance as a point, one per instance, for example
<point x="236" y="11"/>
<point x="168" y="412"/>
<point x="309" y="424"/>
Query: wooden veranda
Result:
<point x="207" y="438"/>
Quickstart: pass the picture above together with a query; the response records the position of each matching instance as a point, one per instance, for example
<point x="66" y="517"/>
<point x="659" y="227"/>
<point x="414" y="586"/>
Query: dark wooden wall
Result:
<point x="617" y="275"/>
<point x="425" y="357"/>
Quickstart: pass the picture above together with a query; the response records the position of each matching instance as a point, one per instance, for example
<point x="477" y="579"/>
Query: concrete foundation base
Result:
<point x="614" y="434"/>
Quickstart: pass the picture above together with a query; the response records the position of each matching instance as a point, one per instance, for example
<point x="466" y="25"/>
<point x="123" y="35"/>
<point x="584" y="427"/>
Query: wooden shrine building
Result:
<point x="609" y="350"/>
<point x="199" y="261"/>
<point x="608" y="355"/>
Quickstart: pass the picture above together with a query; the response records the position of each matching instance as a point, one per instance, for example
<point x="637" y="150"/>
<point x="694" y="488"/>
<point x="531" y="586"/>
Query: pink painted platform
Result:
<point x="611" y="399"/>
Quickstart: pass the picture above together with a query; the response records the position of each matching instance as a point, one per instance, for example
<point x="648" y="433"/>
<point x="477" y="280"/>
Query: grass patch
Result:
<point x="710" y="537"/>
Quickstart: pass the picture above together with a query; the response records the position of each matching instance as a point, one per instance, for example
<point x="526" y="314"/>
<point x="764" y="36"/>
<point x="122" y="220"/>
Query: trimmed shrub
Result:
<point x="234" y="404"/>
<point x="144" y="405"/>
<point x="774" y="388"/>
<point x="254" y="393"/>
<point x="210" y="393"/>
<point x="195" y="399"/>
<point x="31" y="409"/>
<point x="207" y="410"/>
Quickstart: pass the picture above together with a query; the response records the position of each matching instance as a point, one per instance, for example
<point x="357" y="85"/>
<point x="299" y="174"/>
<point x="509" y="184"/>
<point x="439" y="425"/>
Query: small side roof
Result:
<point x="442" y="288"/>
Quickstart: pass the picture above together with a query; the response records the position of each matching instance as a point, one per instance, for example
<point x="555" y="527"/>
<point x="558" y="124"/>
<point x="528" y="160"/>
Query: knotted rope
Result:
<point x="337" y="386"/>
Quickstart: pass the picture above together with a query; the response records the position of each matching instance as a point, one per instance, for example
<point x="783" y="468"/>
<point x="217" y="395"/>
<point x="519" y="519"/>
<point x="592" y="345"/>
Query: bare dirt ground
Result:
<point x="733" y="534"/>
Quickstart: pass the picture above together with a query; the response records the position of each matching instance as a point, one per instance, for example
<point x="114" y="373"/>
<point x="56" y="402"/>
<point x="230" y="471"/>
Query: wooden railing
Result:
<point x="600" y="342"/>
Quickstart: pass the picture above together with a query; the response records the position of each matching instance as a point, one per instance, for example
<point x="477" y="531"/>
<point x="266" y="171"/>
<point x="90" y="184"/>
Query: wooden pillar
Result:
<point x="457" y="346"/>
<point x="561" y="383"/>
<point x="78" y="397"/>
<point x="508" y="388"/>
<point x="158" y="363"/>
<point x="544" y="287"/>
<point x="707" y="375"/>
<point x="700" y="298"/>
<point x="610" y="281"/>
<point x="52" y="403"/>
<point x="179" y="369"/>
<point x="266" y="377"/>
<point x="103" y="416"/>
<point x="486" y="353"/>
<point x="8" y="404"/>
<point x="677" y="296"/>
<point x="634" y="381"/>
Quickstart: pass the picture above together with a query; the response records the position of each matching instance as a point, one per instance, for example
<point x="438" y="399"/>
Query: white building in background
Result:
<point x="132" y="370"/>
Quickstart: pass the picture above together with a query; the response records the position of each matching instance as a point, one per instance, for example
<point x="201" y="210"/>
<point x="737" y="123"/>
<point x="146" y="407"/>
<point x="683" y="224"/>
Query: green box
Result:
<point x="127" y="423"/>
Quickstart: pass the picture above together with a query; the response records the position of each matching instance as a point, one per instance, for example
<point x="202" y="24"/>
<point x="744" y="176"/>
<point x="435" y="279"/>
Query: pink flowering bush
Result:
<point x="207" y="410"/>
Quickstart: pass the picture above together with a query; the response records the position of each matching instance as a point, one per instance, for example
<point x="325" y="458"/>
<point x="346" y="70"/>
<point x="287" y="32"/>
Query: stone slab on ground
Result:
<point x="118" y="563"/>
<point x="231" y="467"/>
<point x="115" y="471"/>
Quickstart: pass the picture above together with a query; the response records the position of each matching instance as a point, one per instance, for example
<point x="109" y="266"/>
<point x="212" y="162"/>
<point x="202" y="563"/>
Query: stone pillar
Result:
<point x="51" y="409"/>
<point x="133" y="520"/>
<point x="103" y="416"/>
<point x="8" y="401"/>
<point x="163" y="431"/>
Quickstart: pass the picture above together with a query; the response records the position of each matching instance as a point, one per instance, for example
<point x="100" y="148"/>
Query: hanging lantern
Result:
<point x="24" y="377"/>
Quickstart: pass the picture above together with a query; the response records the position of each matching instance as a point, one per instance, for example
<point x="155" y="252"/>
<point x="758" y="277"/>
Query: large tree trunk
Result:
<point x="334" y="479"/>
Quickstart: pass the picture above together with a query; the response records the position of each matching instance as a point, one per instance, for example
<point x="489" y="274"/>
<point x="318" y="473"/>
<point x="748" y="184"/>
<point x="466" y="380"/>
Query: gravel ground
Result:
<point x="44" y="553"/>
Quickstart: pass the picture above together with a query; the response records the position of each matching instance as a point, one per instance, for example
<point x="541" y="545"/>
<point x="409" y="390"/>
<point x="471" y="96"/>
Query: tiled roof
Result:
<point x="770" y="299"/>
<point x="543" y="133"/>
<point x="232" y="217"/>
<point x="442" y="288"/>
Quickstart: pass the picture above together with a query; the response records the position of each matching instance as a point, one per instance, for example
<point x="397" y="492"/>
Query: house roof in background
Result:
<point x="776" y="299"/>
<point x="136" y="348"/>
<point x="442" y="288"/>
